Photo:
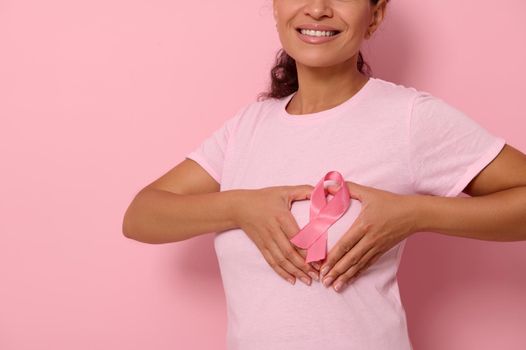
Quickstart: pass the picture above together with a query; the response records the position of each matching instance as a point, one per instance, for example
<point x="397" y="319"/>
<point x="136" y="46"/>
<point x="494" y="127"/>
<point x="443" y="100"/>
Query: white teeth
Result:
<point x="317" y="32"/>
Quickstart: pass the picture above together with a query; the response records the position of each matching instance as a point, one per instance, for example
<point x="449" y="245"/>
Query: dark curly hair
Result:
<point x="284" y="77"/>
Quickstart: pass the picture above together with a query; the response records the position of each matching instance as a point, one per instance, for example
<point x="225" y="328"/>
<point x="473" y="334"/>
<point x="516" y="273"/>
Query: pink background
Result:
<point x="99" y="98"/>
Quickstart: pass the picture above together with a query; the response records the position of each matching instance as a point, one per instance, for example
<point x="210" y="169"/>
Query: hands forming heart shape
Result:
<point x="385" y="220"/>
<point x="264" y="214"/>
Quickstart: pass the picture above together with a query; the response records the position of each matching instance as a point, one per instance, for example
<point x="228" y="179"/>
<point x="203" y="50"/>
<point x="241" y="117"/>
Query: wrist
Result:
<point x="419" y="209"/>
<point x="233" y="204"/>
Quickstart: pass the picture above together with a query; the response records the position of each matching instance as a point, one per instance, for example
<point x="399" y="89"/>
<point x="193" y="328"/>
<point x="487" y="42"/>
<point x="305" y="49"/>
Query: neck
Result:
<point x="322" y="88"/>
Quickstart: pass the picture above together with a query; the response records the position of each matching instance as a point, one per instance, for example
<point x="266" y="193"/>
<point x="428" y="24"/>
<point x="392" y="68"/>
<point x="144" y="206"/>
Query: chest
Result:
<point x="372" y="154"/>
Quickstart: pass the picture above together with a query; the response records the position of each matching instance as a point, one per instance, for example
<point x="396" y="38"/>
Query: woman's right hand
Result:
<point x="264" y="214"/>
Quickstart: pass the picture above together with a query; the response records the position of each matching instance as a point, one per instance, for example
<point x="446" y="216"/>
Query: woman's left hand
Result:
<point x="385" y="219"/>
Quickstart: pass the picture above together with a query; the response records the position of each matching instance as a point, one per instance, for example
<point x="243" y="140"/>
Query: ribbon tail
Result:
<point x="313" y="236"/>
<point x="318" y="250"/>
<point x="306" y="236"/>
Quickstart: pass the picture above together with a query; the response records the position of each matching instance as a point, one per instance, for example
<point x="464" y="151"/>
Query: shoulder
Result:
<point x="392" y="91"/>
<point x="264" y="106"/>
<point x="247" y="113"/>
<point x="253" y="112"/>
<point x="417" y="101"/>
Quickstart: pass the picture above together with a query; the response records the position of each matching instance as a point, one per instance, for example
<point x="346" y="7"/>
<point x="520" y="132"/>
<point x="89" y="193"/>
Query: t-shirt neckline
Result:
<point x="325" y="114"/>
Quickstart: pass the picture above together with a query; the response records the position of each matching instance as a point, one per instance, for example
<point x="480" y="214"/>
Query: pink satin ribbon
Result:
<point x="313" y="236"/>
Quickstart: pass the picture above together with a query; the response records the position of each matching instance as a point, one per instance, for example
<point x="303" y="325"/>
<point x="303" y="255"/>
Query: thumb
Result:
<point x="355" y="190"/>
<point x="301" y="192"/>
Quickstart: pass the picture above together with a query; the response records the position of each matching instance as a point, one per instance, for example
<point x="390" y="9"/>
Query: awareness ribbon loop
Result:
<point x="313" y="236"/>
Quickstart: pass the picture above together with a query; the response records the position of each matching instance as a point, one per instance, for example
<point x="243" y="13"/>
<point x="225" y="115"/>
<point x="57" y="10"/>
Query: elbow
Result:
<point x="133" y="227"/>
<point x="138" y="224"/>
<point x="129" y="225"/>
<point x="131" y="232"/>
<point x="126" y="229"/>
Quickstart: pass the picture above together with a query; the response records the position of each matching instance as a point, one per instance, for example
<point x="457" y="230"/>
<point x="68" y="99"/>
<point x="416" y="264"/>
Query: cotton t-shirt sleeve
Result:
<point x="211" y="153"/>
<point x="447" y="149"/>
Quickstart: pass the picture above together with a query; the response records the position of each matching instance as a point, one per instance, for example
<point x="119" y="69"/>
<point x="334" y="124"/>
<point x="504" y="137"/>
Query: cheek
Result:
<point x="286" y="13"/>
<point x="300" y="211"/>
<point x="357" y="18"/>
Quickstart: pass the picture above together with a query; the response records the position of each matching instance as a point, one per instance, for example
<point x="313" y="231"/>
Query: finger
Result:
<point x="316" y="265"/>
<point x="350" y="259"/>
<point x="282" y="260"/>
<point x="367" y="264"/>
<point x="355" y="190"/>
<point x="355" y="233"/>
<point x="354" y="270"/>
<point x="290" y="252"/>
<point x="263" y="246"/>
<point x="288" y="225"/>
<point x="297" y="193"/>
<point x="275" y="266"/>
<point x="300" y="192"/>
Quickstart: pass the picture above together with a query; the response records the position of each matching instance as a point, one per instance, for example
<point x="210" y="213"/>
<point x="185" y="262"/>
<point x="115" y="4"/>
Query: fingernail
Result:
<point x="291" y="281"/>
<point x="314" y="275"/>
<point x="324" y="270"/>
<point x="338" y="285"/>
<point x="327" y="281"/>
<point x="305" y="280"/>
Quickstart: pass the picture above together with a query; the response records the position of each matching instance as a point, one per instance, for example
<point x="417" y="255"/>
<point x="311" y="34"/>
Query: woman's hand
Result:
<point x="264" y="214"/>
<point x="385" y="220"/>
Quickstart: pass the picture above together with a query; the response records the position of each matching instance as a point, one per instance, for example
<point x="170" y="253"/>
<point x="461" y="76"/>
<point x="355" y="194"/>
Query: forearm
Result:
<point x="157" y="216"/>
<point x="500" y="216"/>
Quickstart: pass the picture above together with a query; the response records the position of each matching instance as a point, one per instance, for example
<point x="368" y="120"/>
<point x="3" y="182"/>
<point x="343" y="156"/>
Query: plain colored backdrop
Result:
<point x="99" y="98"/>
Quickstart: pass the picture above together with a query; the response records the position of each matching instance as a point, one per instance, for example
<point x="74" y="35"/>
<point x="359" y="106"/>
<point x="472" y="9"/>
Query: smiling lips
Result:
<point x="317" y="26"/>
<point x="317" y="36"/>
<point x="316" y="33"/>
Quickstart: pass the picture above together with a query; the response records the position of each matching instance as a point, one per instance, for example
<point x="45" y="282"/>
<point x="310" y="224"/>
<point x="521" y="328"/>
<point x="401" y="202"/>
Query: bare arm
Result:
<point x="186" y="202"/>
<point x="495" y="212"/>
<point x="183" y="203"/>
<point x="159" y="216"/>
<point x="499" y="216"/>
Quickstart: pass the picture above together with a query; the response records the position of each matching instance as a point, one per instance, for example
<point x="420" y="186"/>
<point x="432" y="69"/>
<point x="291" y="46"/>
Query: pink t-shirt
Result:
<point x="386" y="136"/>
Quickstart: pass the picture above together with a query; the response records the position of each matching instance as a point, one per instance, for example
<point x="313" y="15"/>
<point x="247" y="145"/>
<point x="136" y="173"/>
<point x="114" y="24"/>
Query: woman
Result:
<point x="402" y="152"/>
